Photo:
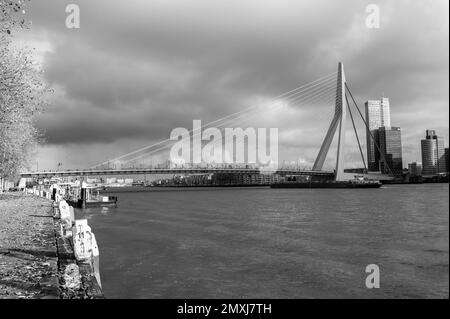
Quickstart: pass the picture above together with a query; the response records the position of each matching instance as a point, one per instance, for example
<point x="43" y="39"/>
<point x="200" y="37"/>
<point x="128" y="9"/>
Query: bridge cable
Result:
<point x="356" y="132"/>
<point x="368" y="130"/>
<point x="322" y="92"/>
<point x="312" y="99"/>
<point x="194" y="135"/>
<point x="224" y="122"/>
<point x="326" y="82"/>
<point x="313" y="92"/>
<point x="323" y="78"/>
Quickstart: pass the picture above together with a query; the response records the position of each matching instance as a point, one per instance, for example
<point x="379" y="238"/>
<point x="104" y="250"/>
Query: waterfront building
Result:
<point x="93" y="180"/>
<point x="390" y="142"/>
<point x="415" y="169"/>
<point x="433" y="154"/>
<point x="111" y="180"/>
<point x="447" y="163"/>
<point x="377" y="115"/>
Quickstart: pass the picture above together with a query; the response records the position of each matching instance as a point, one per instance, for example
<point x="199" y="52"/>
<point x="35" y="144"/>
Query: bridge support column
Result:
<point x="83" y="194"/>
<point x="338" y="120"/>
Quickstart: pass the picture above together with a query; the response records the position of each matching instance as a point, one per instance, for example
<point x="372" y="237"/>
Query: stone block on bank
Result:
<point x="66" y="215"/>
<point x="84" y="243"/>
<point x="72" y="278"/>
<point x="91" y="285"/>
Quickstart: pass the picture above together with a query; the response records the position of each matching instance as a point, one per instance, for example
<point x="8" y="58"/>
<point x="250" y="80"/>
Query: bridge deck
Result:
<point x="96" y="172"/>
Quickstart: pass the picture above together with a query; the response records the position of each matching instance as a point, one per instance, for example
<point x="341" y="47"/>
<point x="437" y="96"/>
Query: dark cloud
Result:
<point x="137" y="69"/>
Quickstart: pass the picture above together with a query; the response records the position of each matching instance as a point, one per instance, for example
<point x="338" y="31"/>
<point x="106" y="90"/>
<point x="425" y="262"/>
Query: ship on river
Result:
<point x="86" y="196"/>
<point x="357" y="182"/>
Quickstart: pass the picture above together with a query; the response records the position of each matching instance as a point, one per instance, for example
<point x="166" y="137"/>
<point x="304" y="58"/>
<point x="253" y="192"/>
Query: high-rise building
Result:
<point x="373" y="114"/>
<point x="433" y="154"/>
<point x="377" y="115"/>
<point x="447" y="160"/>
<point x="441" y="165"/>
<point x="415" y="169"/>
<point x="390" y="139"/>
<point x="429" y="161"/>
<point x="385" y="112"/>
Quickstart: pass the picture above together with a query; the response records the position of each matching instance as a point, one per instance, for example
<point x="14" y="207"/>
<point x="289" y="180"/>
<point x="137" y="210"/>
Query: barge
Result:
<point x="93" y="202"/>
<point x="85" y="198"/>
<point x="358" y="182"/>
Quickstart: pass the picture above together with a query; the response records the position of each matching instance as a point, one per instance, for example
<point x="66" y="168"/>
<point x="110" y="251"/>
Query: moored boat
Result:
<point x="85" y="197"/>
<point x="93" y="202"/>
<point x="357" y="182"/>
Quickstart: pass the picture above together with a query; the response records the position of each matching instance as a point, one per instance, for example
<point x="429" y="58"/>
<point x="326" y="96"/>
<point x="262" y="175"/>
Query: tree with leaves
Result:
<point x="22" y="93"/>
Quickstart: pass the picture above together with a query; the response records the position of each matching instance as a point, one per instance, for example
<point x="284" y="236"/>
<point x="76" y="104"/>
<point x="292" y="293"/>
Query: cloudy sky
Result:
<point x="135" y="70"/>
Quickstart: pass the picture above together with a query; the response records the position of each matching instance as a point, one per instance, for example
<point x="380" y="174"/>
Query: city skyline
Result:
<point x="122" y="81"/>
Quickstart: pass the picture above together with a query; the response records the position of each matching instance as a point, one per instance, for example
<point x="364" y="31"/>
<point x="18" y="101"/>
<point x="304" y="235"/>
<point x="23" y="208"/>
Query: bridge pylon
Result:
<point x="339" y="119"/>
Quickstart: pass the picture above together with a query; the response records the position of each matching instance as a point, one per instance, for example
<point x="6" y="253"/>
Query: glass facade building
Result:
<point x="447" y="159"/>
<point x="433" y="154"/>
<point x="390" y="142"/>
<point x="377" y="115"/>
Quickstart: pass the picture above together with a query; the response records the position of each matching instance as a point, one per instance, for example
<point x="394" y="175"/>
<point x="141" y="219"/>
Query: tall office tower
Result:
<point x="440" y="150"/>
<point x="390" y="139"/>
<point x="441" y="166"/>
<point x="447" y="160"/>
<point x="433" y="154"/>
<point x="377" y="115"/>
<point x="429" y="160"/>
<point x="385" y="112"/>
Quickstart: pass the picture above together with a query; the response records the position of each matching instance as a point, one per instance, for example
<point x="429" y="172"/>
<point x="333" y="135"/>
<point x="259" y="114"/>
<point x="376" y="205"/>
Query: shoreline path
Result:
<point x="28" y="253"/>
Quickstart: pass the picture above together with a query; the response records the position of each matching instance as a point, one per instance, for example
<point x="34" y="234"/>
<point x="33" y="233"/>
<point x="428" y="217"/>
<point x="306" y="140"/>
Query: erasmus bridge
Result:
<point x="331" y="90"/>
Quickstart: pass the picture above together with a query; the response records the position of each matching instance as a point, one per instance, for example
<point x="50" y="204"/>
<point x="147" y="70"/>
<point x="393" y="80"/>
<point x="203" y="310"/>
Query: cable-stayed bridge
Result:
<point x="181" y="171"/>
<point x="327" y="91"/>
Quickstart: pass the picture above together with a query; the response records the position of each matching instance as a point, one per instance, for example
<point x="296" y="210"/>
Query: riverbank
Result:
<point x="28" y="254"/>
<point x="36" y="260"/>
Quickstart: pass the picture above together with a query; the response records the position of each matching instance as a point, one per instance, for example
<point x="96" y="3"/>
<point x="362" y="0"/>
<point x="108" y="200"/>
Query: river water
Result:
<point x="275" y="243"/>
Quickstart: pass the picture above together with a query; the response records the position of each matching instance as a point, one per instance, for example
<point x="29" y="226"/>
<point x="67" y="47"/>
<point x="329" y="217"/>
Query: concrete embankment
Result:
<point x="37" y="256"/>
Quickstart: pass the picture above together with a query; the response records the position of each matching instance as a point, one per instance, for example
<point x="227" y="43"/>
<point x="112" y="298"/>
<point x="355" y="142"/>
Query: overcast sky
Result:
<point x="137" y="69"/>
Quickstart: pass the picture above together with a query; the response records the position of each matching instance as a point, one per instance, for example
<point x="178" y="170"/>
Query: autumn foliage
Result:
<point x="22" y="93"/>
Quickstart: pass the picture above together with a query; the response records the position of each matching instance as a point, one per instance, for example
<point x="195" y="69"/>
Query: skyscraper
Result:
<point x="377" y="115"/>
<point x="385" y="112"/>
<point x="447" y="159"/>
<point x="390" y="139"/>
<point x="433" y="154"/>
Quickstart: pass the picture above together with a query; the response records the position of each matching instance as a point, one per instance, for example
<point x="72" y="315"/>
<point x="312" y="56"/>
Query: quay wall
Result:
<point x="76" y="246"/>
